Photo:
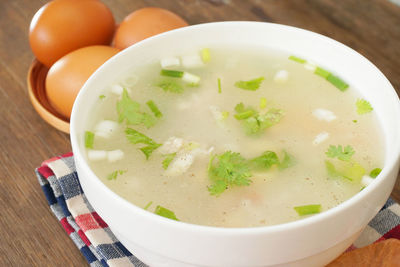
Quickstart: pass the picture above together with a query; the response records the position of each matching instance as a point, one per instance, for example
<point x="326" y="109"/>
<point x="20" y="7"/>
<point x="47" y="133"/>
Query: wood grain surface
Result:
<point x="30" y="235"/>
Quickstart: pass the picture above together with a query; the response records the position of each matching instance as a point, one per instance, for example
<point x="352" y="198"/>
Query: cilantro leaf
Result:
<point x="254" y="122"/>
<point x="265" y="161"/>
<point x="363" y="106"/>
<point x="270" y="118"/>
<point x="340" y="153"/>
<point x="251" y="85"/>
<point x="375" y="172"/>
<point x="351" y="171"/>
<point x="136" y="137"/>
<point x="129" y="111"/>
<point x="167" y="160"/>
<point x="170" y="86"/>
<point x="164" y="212"/>
<point x="114" y="174"/>
<point x="331" y="169"/>
<point x="288" y="161"/>
<point x="231" y="169"/>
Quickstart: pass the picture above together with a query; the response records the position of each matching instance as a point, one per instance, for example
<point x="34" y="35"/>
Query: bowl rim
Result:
<point x="315" y="219"/>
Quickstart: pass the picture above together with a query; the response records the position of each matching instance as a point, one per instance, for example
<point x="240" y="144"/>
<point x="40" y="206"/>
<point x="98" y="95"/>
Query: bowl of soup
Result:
<point x="237" y="144"/>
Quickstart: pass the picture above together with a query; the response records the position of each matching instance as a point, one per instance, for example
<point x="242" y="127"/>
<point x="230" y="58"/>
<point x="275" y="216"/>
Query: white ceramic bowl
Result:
<point x="313" y="241"/>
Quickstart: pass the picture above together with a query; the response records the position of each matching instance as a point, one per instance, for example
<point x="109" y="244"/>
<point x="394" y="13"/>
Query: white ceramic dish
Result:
<point x="313" y="241"/>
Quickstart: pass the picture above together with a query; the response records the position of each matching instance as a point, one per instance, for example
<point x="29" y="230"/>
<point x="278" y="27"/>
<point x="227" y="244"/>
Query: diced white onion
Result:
<point x="170" y="62"/>
<point x="216" y="112"/>
<point x="190" y="78"/>
<point x="321" y="137"/>
<point x="117" y="89"/>
<point x="366" y="180"/>
<point x="172" y="145"/>
<point x="105" y="128"/>
<point x="115" y="155"/>
<point x="192" y="61"/>
<point x="130" y="81"/>
<point x="96" y="155"/>
<point x="324" y="114"/>
<point x="180" y="164"/>
<point x="281" y="76"/>
<point x="310" y="66"/>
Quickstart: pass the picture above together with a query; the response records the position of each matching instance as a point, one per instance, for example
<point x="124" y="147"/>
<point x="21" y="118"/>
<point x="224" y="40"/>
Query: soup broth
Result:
<point x="300" y="143"/>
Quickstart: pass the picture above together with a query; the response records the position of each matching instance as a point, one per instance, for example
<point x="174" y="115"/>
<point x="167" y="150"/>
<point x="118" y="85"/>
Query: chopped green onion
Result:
<point x="355" y="121"/>
<point x="102" y="96"/>
<point x="297" y="59"/>
<point x="337" y="82"/>
<point x="148" y="205"/>
<point x="167" y="160"/>
<point x="205" y="55"/>
<point x="164" y="212"/>
<point x="89" y="139"/>
<point x="244" y="115"/>
<point x="172" y="73"/>
<point x="251" y="85"/>
<point x="263" y="103"/>
<point x="154" y="108"/>
<point x="219" y="86"/>
<point x="322" y="72"/>
<point x="308" y="209"/>
<point x="375" y="172"/>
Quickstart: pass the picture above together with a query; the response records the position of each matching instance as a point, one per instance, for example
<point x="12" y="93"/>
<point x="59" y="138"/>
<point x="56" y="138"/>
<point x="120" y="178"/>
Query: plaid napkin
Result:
<point x="59" y="181"/>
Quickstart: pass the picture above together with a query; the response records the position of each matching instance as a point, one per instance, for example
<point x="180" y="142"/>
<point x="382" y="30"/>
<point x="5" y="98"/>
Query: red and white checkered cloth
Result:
<point x="59" y="181"/>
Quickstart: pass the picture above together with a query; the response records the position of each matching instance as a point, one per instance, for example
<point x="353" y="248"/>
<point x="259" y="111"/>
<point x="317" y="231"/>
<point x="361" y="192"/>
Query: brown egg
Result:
<point x="66" y="77"/>
<point x="144" y="23"/>
<point x="62" y="26"/>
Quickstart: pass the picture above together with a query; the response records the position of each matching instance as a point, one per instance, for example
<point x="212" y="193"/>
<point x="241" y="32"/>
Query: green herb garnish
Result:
<point x="136" y="137"/>
<point x="351" y="171"/>
<point x="148" y="205"/>
<point x="265" y="161"/>
<point x="297" y="59"/>
<point x="337" y="82"/>
<point x="355" y="121"/>
<point x="229" y="170"/>
<point x="168" y="159"/>
<point x="102" y="96"/>
<point x="363" y="106"/>
<point x="170" y="86"/>
<point x="322" y="72"/>
<point x="153" y="107"/>
<point x="219" y="86"/>
<point x="129" y="111"/>
<point x="263" y="102"/>
<point x="343" y="154"/>
<point x="375" y="172"/>
<point x="308" y="209"/>
<point x="253" y="121"/>
<point x="164" y="212"/>
<point x="114" y="174"/>
<point x="205" y="55"/>
<point x="89" y="139"/>
<point x="288" y="161"/>
<point x="172" y="73"/>
<point x="251" y="85"/>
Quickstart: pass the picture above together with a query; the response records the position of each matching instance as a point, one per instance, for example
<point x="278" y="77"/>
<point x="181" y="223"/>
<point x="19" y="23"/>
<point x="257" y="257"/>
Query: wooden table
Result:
<point x="29" y="232"/>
